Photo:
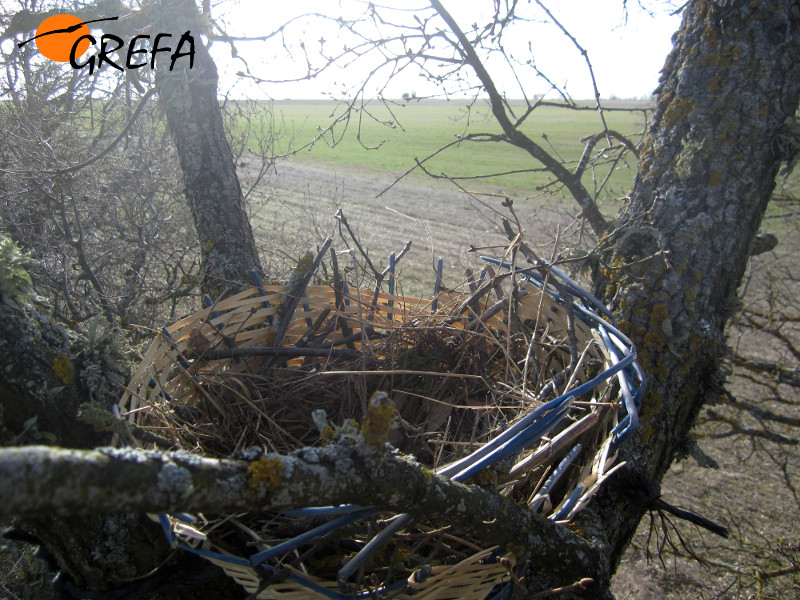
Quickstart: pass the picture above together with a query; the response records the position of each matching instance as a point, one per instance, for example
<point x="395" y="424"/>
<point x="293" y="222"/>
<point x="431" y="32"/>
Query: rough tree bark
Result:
<point x="672" y="261"/>
<point x="189" y="100"/>
<point x="58" y="388"/>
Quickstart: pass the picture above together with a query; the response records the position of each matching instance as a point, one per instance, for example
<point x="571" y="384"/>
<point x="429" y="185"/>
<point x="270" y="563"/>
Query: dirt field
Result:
<point x="294" y="210"/>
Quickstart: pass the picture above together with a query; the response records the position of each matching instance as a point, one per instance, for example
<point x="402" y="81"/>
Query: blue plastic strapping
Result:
<point x="527" y="431"/>
<point x="262" y="292"/>
<point x="183" y="362"/>
<point x="309" y="536"/>
<point x="376" y="542"/>
<point x="323" y="511"/>
<point x="437" y="285"/>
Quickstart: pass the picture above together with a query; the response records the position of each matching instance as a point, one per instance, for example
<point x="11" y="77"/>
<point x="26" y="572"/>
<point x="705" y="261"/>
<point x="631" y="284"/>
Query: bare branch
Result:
<point x="41" y="480"/>
<point x="514" y="135"/>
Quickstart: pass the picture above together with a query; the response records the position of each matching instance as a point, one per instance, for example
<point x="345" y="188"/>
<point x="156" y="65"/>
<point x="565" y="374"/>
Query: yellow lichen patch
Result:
<point x="304" y="262"/>
<point x="651" y="405"/>
<point x="658" y="314"/>
<point x="678" y="111"/>
<point x="710" y="36"/>
<point x="491" y="475"/>
<point x="713" y="84"/>
<point x="640" y="309"/>
<point x="485" y="477"/>
<point x="625" y="327"/>
<point x="577" y="528"/>
<point x="327" y="433"/>
<point x="208" y="246"/>
<point x="264" y="474"/>
<point x="378" y="420"/>
<point x="653" y="356"/>
<point x="655" y="348"/>
<point x="646" y="433"/>
<point x="62" y="367"/>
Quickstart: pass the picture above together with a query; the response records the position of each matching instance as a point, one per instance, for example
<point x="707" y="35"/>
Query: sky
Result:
<point x="627" y="51"/>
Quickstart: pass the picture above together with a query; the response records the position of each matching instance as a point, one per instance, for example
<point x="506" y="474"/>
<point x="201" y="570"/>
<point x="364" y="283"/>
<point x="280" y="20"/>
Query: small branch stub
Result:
<point x="378" y="420"/>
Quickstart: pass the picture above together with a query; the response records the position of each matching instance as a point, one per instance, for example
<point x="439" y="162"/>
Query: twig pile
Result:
<point x="497" y="383"/>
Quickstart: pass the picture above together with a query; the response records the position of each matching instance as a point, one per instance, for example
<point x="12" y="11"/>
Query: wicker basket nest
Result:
<point x="514" y="380"/>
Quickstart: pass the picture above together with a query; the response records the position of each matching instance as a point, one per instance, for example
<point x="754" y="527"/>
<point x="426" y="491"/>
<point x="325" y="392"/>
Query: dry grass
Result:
<point x="281" y="367"/>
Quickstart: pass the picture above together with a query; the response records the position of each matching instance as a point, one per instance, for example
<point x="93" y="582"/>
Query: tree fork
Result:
<point x="673" y="264"/>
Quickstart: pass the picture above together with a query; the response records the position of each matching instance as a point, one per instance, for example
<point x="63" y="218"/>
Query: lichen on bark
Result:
<point x="707" y="171"/>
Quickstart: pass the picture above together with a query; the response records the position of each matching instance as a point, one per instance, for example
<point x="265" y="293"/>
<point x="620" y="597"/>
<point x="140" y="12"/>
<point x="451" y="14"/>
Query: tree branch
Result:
<point x="515" y="136"/>
<point x="46" y="480"/>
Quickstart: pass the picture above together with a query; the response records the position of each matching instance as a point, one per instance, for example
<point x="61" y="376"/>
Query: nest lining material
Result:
<point x="478" y="378"/>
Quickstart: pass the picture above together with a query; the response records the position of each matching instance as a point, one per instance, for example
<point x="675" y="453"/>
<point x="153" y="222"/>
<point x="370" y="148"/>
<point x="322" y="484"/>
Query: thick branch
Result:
<point x="45" y="480"/>
<point x="682" y="243"/>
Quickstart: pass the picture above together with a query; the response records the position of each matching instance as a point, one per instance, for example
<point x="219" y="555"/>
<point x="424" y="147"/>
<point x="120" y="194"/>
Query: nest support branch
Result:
<point x="47" y="480"/>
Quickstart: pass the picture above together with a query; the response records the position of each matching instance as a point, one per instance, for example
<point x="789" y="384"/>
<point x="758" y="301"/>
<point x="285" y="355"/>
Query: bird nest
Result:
<point x="516" y="380"/>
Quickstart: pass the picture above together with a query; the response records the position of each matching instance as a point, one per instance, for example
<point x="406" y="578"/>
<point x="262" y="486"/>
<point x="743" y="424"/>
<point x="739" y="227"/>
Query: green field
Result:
<point x="400" y="133"/>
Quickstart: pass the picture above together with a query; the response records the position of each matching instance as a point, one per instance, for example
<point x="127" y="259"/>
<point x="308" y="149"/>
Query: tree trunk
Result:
<point x="670" y="266"/>
<point x="58" y="388"/>
<point x="189" y="100"/>
<point x="674" y="262"/>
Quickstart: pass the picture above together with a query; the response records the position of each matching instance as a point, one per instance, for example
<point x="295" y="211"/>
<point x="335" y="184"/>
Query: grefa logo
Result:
<point x="66" y="38"/>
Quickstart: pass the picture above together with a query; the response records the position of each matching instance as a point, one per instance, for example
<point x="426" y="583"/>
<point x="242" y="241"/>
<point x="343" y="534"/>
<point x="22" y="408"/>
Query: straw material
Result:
<point x="470" y="578"/>
<point x="282" y="366"/>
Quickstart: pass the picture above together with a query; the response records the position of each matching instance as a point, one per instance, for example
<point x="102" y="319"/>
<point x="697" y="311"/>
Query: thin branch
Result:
<point x="585" y="55"/>
<point x="589" y="208"/>
<point x="591" y="142"/>
<point x="114" y="142"/>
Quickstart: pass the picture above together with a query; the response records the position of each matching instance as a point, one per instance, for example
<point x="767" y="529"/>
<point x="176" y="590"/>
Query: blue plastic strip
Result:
<point x="437" y="286"/>
<point x="500" y="592"/>
<point x="309" y="536"/>
<point x="262" y="292"/>
<point x="571" y="501"/>
<point x="234" y="560"/>
<point x="309" y="322"/>
<point x="163" y="519"/>
<point x="185" y="518"/>
<point x="555" y="476"/>
<point x="481" y="277"/>
<point x="625" y="388"/>
<point x="374" y="544"/>
<point x="572" y="286"/>
<point x="392" y="265"/>
<point x="184" y="363"/>
<point x="507" y="436"/>
<point x="215" y="315"/>
<point x="528" y="430"/>
<point x="153" y="384"/>
<point x="324" y="511"/>
<point x="346" y="291"/>
<point x="529" y="435"/>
